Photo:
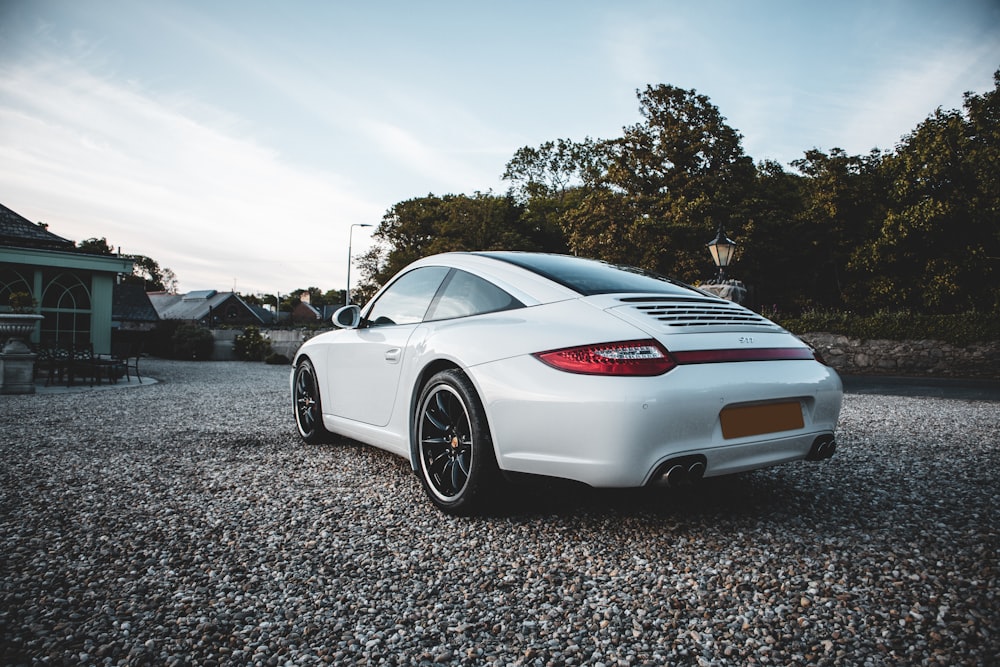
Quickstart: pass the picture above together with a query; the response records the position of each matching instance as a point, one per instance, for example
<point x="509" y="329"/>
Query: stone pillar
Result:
<point x="17" y="372"/>
<point x="17" y="361"/>
<point x="732" y="290"/>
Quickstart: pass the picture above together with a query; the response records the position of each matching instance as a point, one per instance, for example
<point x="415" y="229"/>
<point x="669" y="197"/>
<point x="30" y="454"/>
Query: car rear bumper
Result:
<point x="616" y="432"/>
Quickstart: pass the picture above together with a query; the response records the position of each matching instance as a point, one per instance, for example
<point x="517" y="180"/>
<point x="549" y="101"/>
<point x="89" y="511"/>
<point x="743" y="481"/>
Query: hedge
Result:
<point x="957" y="329"/>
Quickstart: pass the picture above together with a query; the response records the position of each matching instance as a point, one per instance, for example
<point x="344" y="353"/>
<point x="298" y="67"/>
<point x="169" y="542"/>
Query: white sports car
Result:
<point x="479" y="366"/>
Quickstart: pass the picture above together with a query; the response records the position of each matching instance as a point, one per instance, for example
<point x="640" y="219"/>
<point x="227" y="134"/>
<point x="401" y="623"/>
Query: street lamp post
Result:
<point x="350" y="234"/>
<point x="723" y="250"/>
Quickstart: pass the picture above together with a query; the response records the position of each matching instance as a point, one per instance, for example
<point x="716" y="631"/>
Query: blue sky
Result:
<point x="237" y="142"/>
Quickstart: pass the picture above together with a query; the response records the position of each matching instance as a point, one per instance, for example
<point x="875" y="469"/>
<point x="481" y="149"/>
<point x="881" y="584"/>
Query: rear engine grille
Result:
<point x="698" y="313"/>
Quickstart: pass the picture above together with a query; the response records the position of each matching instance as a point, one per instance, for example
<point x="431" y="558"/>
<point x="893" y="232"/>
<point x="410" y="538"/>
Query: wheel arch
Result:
<point x="425" y="375"/>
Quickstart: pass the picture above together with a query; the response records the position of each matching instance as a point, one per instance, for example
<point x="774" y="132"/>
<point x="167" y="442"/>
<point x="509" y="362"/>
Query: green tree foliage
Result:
<point x="95" y="246"/>
<point x="652" y="197"/>
<point x="419" y="227"/>
<point x="145" y="270"/>
<point x="841" y="195"/>
<point x="915" y="228"/>
<point x="937" y="247"/>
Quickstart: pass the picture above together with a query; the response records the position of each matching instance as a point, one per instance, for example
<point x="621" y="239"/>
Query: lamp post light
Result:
<point x="350" y="234"/>
<point x="723" y="250"/>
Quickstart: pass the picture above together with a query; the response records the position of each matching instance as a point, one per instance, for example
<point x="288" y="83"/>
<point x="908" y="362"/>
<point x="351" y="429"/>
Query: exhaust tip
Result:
<point x="679" y="472"/>
<point x="822" y="448"/>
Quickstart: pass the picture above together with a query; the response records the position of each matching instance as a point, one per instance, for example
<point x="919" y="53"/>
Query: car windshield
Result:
<point x="590" y="276"/>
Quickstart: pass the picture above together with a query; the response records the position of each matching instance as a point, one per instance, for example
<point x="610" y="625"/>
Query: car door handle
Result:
<point x="393" y="355"/>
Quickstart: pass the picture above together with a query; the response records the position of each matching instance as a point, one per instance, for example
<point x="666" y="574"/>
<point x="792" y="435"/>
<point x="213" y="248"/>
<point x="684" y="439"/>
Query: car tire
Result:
<point x="454" y="449"/>
<point x="307" y="404"/>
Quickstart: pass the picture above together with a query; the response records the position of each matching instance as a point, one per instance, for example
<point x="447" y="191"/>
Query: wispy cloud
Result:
<point x="142" y="172"/>
<point x="896" y="98"/>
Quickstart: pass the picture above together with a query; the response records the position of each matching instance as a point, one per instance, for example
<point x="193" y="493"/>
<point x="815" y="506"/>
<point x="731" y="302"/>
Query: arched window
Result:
<point x="12" y="281"/>
<point x="67" y="310"/>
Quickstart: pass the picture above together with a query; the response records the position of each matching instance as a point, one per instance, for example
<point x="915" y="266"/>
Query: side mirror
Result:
<point x="348" y="317"/>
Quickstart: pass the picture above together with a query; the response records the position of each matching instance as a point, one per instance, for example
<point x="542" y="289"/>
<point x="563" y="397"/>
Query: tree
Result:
<point x="553" y="169"/>
<point x="145" y="270"/>
<point x="95" y="246"/>
<point x="841" y="197"/>
<point x="677" y="175"/>
<point x="428" y="225"/>
<point x="938" y="246"/>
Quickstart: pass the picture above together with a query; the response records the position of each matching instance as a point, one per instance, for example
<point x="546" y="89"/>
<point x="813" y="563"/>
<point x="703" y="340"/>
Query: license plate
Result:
<point x="746" y="420"/>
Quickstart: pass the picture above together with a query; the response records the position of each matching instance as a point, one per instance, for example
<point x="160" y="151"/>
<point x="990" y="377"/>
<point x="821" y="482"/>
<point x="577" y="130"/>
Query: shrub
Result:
<point x="22" y="302"/>
<point x="251" y="345"/>
<point x="192" y="342"/>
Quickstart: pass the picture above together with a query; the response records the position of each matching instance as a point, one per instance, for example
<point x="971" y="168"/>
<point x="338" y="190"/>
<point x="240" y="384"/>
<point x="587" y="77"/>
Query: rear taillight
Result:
<point x="632" y="358"/>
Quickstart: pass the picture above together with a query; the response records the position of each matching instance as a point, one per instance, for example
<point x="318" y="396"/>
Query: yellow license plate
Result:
<point x="746" y="420"/>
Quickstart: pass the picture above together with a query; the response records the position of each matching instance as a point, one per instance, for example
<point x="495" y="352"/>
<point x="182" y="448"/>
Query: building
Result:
<point x="72" y="290"/>
<point x="207" y="307"/>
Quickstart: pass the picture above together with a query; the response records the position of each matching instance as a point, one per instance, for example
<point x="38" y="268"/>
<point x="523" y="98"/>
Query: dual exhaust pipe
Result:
<point x="688" y="470"/>
<point x="683" y="471"/>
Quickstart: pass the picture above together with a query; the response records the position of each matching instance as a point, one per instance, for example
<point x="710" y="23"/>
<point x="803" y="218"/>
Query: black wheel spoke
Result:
<point x="439" y="424"/>
<point x="458" y="478"/>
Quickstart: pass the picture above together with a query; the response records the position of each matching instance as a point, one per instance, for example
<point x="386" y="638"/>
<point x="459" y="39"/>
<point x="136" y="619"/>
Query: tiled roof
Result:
<point x="132" y="305"/>
<point x="193" y="305"/>
<point x="19" y="232"/>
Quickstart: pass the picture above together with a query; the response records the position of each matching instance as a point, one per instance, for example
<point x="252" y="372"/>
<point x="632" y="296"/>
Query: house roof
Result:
<point x="131" y="304"/>
<point x="193" y="305"/>
<point x="18" y="231"/>
<point x="307" y="309"/>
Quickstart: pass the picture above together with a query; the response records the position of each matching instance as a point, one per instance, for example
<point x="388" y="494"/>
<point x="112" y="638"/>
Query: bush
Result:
<point x="251" y="345"/>
<point x="192" y="342"/>
<point x="958" y="329"/>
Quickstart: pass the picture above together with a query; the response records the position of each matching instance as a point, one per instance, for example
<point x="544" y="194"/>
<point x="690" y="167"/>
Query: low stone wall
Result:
<point x="283" y="341"/>
<point x="907" y="357"/>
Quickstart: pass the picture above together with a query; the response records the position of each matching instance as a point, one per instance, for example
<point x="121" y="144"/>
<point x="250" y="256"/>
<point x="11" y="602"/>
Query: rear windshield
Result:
<point x="589" y="276"/>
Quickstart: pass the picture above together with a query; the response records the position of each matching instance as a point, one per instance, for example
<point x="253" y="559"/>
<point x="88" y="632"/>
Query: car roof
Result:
<point x="546" y="277"/>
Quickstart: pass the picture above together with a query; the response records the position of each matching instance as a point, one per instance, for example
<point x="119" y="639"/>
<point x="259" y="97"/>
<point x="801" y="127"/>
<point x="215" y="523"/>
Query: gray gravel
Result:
<point x="185" y="523"/>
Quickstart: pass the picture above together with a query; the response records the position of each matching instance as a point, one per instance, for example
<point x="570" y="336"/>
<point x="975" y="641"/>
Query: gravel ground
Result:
<point x="185" y="523"/>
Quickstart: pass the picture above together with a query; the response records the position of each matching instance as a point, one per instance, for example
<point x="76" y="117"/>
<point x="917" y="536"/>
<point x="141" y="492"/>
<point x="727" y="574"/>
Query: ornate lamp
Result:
<point x="723" y="250"/>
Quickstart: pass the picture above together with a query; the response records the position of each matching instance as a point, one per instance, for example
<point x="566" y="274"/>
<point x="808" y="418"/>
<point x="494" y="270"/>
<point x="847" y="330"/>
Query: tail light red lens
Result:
<point x="631" y="358"/>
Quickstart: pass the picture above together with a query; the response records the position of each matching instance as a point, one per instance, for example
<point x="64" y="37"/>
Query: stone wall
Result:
<point x="907" y="357"/>
<point x="283" y="341"/>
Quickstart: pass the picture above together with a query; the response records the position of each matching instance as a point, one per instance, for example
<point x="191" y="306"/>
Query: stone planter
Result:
<point x="17" y="362"/>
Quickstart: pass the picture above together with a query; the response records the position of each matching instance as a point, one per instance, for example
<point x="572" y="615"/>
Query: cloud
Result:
<point x="895" y="99"/>
<point x="94" y="158"/>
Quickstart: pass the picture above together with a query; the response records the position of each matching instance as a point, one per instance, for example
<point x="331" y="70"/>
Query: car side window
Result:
<point x="406" y="300"/>
<point x="465" y="294"/>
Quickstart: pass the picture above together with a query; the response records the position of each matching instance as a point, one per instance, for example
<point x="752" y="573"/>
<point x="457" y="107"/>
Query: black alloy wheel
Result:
<point x="306" y="401"/>
<point x="458" y="469"/>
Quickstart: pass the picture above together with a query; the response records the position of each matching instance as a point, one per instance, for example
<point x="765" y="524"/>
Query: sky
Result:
<point x="239" y="142"/>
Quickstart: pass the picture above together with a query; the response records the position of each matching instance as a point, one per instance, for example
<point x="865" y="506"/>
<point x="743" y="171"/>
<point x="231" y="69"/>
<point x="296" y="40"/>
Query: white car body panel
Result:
<point x="603" y="431"/>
